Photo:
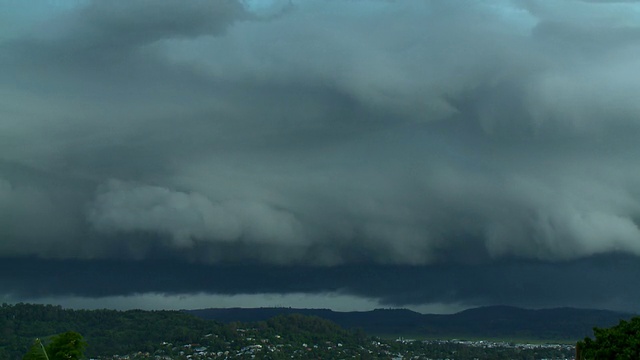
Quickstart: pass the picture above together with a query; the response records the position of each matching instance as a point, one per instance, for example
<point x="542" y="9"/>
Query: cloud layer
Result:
<point x="323" y="133"/>
<point x="598" y="282"/>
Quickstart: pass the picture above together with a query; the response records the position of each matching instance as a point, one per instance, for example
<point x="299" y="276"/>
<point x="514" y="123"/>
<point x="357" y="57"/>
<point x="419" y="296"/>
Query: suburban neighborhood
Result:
<point x="255" y="345"/>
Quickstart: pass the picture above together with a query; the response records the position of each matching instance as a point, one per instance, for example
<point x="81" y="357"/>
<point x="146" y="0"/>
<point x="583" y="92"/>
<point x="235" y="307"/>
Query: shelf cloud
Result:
<point x="320" y="135"/>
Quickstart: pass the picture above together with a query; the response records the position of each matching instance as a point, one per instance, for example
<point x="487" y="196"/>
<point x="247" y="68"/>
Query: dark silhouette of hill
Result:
<point x="504" y="322"/>
<point x="110" y="332"/>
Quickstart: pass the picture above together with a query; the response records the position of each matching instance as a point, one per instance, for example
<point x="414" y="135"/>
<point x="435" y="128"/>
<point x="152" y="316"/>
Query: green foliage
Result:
<point x="309" y="329"/>
<point x="619" y="342"/>
<point x="175" y="335"/>
<point x="66" y="346"/>
<point x="36" y="352"/>
<point x="107" y="331"/>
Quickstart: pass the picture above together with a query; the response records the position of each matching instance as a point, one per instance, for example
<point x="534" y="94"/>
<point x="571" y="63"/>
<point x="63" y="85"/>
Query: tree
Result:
<point x="620" y="342"/>
<point x="66" y="346"/>
<point x="36" y="352"/>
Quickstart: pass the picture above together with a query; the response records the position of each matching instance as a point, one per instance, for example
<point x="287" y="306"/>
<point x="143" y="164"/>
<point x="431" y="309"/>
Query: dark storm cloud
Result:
<point x="600" y="282"/>
<point x="101" y="32"/>
<point x="308" y="133"/>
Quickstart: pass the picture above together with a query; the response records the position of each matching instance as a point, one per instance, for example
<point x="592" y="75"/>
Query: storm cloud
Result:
<point x="324" y="136"/>
<point x="597" y="282"/>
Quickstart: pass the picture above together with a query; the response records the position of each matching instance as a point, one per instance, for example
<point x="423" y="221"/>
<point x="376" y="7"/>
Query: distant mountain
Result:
<point x="495" y="322"/>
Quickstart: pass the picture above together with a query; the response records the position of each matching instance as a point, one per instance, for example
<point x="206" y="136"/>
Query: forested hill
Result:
<point x="505" y="322"/>
<point x="107" y="331"/>
<point x="110" y="332"/>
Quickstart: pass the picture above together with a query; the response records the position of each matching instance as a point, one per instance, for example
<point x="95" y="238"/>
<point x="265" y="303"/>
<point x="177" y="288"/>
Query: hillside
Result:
<point x="286" y="334"/>
<point x="504" y="322"/>
<point x="164" y="333"/>
<point x="107" y="331"/>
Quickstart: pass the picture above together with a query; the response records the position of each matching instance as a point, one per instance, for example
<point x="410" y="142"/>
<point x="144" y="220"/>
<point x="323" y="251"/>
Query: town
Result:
<point x="253" y="343"/>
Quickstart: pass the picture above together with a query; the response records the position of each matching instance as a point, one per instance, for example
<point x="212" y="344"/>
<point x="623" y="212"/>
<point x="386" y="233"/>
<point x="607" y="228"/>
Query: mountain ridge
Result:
<point x="500" y="321"/>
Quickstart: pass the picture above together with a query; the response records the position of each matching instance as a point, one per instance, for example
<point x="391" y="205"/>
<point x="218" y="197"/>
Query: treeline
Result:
<point x="618" y="342"/>
<point x="297" y="328"/>
<point x="106" y="331"/>
<point x="176" y="335"/>
<point x="494" y="322"/>
<point x="110" y="332"/>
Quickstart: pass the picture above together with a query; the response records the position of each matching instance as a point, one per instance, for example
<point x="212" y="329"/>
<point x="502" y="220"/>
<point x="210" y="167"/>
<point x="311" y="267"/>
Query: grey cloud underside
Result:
<point x="599" y="282"/>
<point x="455" y="133"/>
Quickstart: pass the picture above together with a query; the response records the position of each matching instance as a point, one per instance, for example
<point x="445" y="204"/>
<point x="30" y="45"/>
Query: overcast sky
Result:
<point x="348" y="154"/>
